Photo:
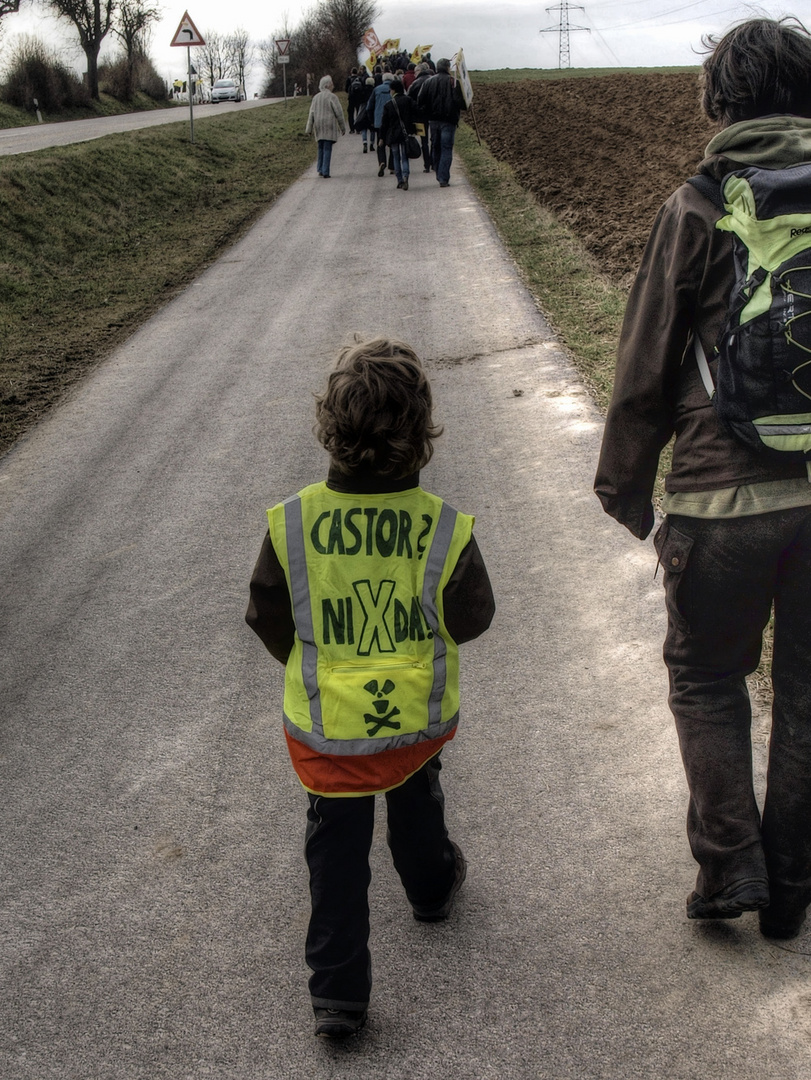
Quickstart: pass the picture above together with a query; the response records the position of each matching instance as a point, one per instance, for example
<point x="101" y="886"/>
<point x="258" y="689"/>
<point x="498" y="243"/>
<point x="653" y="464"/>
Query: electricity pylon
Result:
<point x="563" y="28"/>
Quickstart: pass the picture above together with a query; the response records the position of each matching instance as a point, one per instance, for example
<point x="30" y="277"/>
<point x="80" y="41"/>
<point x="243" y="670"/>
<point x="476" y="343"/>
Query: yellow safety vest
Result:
<point x="372" y="682"/>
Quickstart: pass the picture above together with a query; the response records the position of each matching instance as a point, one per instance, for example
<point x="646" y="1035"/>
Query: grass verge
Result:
<point x="98" y="235"/>
<point x="11" y="116"/>
<point x="581" y="304"/>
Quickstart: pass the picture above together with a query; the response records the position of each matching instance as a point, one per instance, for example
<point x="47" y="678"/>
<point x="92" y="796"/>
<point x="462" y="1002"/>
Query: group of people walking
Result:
<point x="389" y="110"/>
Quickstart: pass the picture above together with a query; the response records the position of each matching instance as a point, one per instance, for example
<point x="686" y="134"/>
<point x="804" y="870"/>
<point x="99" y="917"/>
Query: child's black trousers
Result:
<point x="338" y="842"/>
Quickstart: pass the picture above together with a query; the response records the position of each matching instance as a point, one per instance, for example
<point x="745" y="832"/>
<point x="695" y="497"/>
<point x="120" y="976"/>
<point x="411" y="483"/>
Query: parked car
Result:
<point x="226" y="90"/>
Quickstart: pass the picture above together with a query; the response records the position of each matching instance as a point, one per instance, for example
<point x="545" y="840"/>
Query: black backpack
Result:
<point x="763" y="385"/>
<point x="356" y="86"/>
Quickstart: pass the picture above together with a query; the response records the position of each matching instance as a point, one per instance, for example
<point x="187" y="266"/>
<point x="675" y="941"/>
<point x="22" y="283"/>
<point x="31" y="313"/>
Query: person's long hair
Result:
<point x="759" y="68"/>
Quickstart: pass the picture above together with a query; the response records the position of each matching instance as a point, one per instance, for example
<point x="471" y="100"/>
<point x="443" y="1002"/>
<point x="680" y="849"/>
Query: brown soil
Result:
<point x="602" y="153"/>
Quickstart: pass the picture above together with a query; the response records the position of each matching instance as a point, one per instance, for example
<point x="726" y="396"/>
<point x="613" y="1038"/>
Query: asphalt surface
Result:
<point x="154" y="897"/>
<point x="23" y="140"/>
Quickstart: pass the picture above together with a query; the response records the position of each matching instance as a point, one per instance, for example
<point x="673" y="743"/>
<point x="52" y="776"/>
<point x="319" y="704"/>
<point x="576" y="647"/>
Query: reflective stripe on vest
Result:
<point x="414" y="666"/>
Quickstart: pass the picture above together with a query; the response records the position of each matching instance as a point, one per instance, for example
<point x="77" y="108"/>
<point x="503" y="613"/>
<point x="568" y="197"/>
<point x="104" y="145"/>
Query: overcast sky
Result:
<point x="616" y="33"/>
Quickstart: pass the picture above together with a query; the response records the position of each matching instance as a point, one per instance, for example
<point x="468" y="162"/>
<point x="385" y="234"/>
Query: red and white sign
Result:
<point x="187" y="33"/>
<point x="372" y="41"/>
<point x="283" y="44"/>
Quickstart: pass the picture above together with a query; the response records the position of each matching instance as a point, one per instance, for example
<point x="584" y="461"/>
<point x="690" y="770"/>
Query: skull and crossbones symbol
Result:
<point x="377" y="720"/>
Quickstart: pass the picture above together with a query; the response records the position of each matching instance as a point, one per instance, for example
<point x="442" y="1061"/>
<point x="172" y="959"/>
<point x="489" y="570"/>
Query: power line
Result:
<point x="671" y="11"/>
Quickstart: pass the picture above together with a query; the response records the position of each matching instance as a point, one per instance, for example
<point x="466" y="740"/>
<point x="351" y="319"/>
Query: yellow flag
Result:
<point x="419" y="52"/>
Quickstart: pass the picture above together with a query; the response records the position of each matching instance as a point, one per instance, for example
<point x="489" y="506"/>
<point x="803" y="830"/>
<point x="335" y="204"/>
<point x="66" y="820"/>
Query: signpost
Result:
<point x="188" y="35"/>
<point x="282" y="45"/>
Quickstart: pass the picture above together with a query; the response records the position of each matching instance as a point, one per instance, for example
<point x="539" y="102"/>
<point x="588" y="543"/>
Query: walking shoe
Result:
<point x="441" y="911"/>
<point x="444" y="183"/>
<point x="382" y="170"/>
<point x="780" y="929"/>
<point x="338" y="1023"/>
<point x="399" y="184"/>
<point x="426" y="170"/>
<point x="405" y="185"/>
<point x="784" y="917"/>
<point x="365" y="148"/>
<point x="748" y="894"/>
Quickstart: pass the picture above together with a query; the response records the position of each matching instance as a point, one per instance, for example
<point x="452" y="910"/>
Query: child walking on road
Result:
<point x="364" y="587"/>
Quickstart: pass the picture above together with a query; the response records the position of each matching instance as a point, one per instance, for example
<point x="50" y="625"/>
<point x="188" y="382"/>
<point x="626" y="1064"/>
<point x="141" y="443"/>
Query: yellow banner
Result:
<point x="419" y="52"/>
<point x="390" y="45"/>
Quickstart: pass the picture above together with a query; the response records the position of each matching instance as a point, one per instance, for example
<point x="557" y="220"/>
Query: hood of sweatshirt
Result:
<point x="770" y="142"/>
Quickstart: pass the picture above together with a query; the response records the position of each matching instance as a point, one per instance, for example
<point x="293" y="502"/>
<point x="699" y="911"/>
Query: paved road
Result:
<point x="23" y="140"/>
<point x="154" y="899"/>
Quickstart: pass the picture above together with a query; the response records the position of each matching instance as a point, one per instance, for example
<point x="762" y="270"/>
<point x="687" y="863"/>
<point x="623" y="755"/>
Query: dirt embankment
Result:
<point x="602" y="153"/>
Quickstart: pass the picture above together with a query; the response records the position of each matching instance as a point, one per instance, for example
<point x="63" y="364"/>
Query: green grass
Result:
<point x="582" y="305"/>
<point x="98" y="235"/>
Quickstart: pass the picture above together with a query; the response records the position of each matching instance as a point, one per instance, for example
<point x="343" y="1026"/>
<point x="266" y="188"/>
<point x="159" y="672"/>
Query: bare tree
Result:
<point x="240" y="53"/>
<point x="327" y="40"/>
<point x="133" y="25"/>
<point x="93" y="20"/>
<point x="212" y="58"/>
<point x="349" y="20"/>
<point x="8" y="7"/>
<point x="135" y="18"/>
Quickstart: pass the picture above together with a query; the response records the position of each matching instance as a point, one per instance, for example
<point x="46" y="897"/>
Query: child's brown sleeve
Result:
<point x="270" y="613"/>
<point x="468" y="596"/>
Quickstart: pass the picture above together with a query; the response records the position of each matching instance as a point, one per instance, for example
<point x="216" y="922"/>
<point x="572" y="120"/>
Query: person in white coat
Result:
<point x="325" y="119"/>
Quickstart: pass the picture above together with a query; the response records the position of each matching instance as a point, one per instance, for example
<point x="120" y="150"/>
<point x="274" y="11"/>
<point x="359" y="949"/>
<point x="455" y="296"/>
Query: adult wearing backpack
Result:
<point x="378" y="100"/>
<point x="737" y="532"/>
<point x="355" y="95"/>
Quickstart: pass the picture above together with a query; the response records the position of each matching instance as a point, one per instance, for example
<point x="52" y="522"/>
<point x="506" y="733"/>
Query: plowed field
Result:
<point x="602" y="153"/>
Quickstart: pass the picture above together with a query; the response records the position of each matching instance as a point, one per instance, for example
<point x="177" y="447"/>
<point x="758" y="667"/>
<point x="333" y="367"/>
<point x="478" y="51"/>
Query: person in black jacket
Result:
<point x="441" y="100"/>
<point x="398" y="123"/>
<point x="355" y="95"/>
<point x="422" y="74"/>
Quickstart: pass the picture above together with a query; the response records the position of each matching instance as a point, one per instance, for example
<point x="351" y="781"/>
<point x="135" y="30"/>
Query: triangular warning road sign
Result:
<point x="187" y="33"/>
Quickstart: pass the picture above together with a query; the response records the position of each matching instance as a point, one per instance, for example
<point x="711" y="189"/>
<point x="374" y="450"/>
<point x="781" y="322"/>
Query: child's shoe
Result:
<point x="338" y="1023"/>
<point x="443" y="910"/>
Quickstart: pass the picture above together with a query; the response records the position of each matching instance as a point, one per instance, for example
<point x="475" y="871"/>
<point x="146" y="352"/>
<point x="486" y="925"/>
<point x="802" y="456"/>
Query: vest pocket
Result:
<point x="375" y="700"/>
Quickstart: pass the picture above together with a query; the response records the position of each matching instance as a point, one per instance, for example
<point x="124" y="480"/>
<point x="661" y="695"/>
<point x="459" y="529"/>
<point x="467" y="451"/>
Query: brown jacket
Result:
<point x="682" y="285"/>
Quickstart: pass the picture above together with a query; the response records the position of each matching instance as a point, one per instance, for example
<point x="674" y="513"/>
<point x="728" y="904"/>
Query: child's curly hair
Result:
<point x="376" y="413"/>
